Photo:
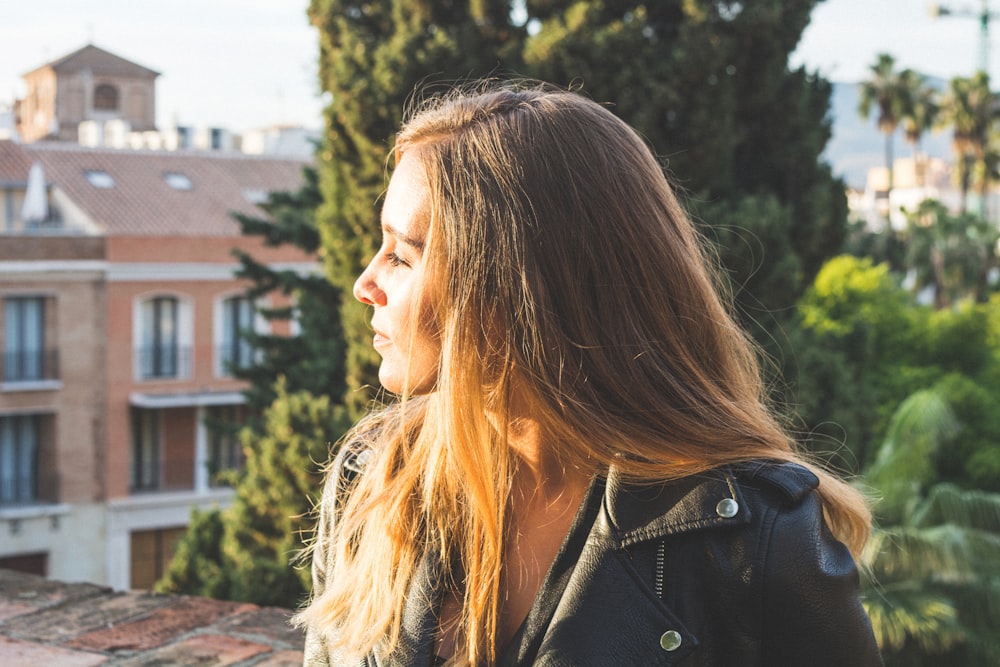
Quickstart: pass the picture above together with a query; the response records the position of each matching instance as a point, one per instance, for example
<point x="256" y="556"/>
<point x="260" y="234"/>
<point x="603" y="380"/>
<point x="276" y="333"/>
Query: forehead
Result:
<point x="407" y="200"/>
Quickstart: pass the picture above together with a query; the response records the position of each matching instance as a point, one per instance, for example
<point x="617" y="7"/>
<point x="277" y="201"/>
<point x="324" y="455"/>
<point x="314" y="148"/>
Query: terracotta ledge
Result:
<point x="44" y="622"/>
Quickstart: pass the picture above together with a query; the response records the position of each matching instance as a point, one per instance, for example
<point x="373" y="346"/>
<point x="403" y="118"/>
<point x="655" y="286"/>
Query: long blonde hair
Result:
<point x="565" y="271"/>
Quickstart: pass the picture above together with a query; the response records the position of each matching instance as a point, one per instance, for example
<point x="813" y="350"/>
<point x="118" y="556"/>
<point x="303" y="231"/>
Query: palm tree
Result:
<point x="954" y="253"/>
<point x="932" y="585"/>
<point x="887" y="93"/>
<point x="920" y="113"/>
<point x="970" y="108"/>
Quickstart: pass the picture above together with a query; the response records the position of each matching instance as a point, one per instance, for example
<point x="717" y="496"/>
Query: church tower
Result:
<point x="90" y="84"/>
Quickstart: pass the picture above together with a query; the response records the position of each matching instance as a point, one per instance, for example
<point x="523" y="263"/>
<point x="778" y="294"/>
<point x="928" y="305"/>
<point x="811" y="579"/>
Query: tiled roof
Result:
<point x="98" y="61"/>
<point x="45" y="622"/>
<point x="140" y="202"/>
<point x="14" y="163"/>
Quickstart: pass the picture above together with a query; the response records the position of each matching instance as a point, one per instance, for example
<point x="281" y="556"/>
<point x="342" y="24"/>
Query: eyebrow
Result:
<point x="408" y="240"/>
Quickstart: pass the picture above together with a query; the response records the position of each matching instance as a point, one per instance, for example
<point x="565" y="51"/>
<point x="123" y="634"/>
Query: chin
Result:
<point x="396" y="383"/>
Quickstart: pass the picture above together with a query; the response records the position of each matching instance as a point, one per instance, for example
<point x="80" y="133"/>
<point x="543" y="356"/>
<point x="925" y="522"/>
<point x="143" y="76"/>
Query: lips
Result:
<point x="379" y="339"/>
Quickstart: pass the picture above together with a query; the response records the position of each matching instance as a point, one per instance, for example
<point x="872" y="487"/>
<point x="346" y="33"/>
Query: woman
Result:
<point x="581" y="467"/>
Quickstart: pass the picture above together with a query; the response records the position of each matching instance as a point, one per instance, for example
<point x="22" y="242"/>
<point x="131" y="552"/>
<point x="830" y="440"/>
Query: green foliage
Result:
<point x="862" y="346"/>
<point x="372" y="55"/>
<point x="266" y="522"/>
<point x="708" y="85"/>
<point x="950" y="253"/>
<point x="973" y="459"/>
<point x="752" y="233"/>
<point x="852" y="294"/>
<point x="854" y="323"/>
<point x="244" y="552"/>
<point x="312" y="360"/>
<point x="904" y="466"/>
<point x="198" y="566"/>
<point x="932" y="585"/>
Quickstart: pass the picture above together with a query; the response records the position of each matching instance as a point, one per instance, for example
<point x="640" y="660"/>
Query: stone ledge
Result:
<point x="44" y="622"/>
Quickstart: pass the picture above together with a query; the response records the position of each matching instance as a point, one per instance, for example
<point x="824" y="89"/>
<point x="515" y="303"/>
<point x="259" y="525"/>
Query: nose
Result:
<point x="366" y="289"/>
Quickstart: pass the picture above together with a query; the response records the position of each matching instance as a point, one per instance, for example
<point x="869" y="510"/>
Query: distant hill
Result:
<point x="857" y="145"/>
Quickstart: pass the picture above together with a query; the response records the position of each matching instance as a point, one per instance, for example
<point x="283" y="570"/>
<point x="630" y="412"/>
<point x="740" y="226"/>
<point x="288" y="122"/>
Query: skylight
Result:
<point x="177" y="180"/>
<point x="255" y="196"/>
<point x="100" y="179"/>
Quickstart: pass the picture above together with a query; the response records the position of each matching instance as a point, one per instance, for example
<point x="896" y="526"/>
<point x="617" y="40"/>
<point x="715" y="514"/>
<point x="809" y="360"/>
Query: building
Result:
<point x="88" y="85"/>
<point x="119" y="322"/>
<point x="913" y="181"/>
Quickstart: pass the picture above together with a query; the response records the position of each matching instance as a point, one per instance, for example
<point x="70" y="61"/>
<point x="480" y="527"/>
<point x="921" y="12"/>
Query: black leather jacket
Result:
<point x="731" y="568"/>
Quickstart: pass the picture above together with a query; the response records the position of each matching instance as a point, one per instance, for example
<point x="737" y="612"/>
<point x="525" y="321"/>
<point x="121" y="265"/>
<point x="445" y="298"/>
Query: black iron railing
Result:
<point x="163" y="361"/>
<point x="29" y="365"/>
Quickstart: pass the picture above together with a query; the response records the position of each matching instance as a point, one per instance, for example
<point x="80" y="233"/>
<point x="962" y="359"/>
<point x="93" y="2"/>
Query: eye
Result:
<point x="395" y="260"/>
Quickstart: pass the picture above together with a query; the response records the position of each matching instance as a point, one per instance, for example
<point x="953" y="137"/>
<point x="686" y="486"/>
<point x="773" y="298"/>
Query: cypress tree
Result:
<point x="247" y="551"/>
<point x="312" y="360"/>
<point x="244" y="552"/>
<point x="707" y="83"/>
<point x="372" y="55"/>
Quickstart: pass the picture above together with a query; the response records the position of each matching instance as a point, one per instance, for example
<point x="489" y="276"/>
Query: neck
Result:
<point x="540" y="474"/>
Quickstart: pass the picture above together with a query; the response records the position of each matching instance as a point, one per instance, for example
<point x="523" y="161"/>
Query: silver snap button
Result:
<point x="727" y="508"/>
<point x="670" y="640"/>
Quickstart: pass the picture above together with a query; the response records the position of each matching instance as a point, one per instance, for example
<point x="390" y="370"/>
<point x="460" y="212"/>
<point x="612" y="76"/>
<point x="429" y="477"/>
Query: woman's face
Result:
<point x="392" y="283"/>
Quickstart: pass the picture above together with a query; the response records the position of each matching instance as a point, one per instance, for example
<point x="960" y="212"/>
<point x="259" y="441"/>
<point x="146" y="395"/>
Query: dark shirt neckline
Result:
<point x="523" y="646"/>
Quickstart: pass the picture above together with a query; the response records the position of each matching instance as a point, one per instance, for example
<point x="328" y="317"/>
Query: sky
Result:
<point x="245" y="64"/>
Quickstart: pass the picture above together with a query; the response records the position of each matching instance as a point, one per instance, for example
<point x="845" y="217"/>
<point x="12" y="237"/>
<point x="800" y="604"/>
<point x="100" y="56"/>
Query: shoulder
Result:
<point x="791" y="482"/>
<point x="744" y="494"/>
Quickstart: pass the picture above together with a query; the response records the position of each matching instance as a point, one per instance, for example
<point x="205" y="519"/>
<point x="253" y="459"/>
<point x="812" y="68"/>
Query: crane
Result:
<point x="983" y="14"/>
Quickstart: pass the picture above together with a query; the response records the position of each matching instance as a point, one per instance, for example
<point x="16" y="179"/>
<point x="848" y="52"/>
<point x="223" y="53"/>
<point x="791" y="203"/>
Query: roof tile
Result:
<point x="142" y="203"/>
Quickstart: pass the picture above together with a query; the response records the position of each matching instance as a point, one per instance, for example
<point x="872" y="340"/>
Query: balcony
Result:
<point x="234" y="357"/>
<point x="23" y="489"/>
<point x="163" y="362"/>
<point x="28" y="369"/>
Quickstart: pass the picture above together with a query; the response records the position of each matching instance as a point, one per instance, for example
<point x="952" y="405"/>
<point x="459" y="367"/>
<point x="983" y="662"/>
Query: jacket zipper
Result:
<point x="661" y="557"/>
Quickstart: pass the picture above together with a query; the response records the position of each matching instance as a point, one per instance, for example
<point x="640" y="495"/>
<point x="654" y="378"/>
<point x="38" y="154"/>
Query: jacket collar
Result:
<point x="638" y="512"/>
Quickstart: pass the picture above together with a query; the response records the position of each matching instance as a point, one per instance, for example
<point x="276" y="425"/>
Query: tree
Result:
<point x="855" y="342"/>
<point x="933" y="565"/>
<point x="970" y="108"/>
<point x="887" y="92"/>
<point x="245" y="551"/>
<point x="919" y="115"/>
<point x="372" y="55"/>
<point x="950" y="253"/>
<point x="707" y="84"/>
<point x="862" y="344"/>
<point x="313" y="359"/>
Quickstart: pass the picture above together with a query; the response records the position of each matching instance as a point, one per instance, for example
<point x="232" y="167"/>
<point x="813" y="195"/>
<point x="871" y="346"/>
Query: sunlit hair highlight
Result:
<point x="565" y="274"/>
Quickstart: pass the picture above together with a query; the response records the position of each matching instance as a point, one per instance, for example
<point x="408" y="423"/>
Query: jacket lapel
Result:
<point x="610" y="614"/>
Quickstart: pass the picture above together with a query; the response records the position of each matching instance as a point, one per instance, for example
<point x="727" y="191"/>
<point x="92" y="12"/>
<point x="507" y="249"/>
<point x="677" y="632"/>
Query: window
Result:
<point x="144" y="473"/>
<point x="255" y="196"/>
<point x="100" y="179"/>
<point x="105" y="97"/>
<point x="33" y="563"/>
<point x="159" y="348"/>
<point x="151" y="553"/>
<point x="18" y="459"/>
<point x="225" y="452"/>
<point x="25" y="358"/>
<point x="177" y="180"/>
<point x="235" y="351"/>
